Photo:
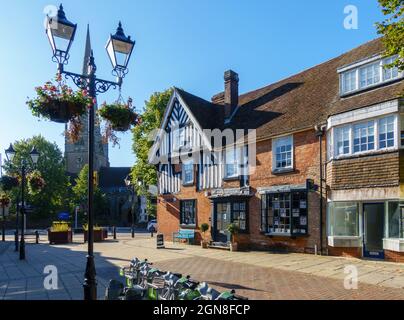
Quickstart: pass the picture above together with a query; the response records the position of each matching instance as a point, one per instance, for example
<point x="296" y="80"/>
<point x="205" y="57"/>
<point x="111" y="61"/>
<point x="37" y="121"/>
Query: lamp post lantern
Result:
<point x="23" y="168"/>
<point x="61" y="33"/>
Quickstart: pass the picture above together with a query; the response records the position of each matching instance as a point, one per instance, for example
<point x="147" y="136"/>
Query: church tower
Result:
<point x="76" y="154"/>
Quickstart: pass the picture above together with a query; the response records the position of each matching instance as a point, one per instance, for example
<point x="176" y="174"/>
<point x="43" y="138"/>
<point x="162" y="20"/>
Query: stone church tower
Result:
<point x="76" y="154"/>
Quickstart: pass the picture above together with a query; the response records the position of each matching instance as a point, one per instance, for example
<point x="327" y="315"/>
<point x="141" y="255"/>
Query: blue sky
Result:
<point x="184" y="43"/>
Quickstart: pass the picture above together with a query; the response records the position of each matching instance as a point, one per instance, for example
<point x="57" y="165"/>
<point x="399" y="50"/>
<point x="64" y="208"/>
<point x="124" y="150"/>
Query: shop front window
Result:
<point x="395" y="220"/>
<point x="343" y="219"/>
<point x="285" y="213"/>
<point x="240" y="215"/>
<point x="232" y="212"/>
<point x="188" y="213"/>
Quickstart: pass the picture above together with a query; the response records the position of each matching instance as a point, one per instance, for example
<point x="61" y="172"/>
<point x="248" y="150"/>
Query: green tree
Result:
<point x="144" y="174"/>
<point x="80" y="192"/>
<point x="53" y="197"/>
<point x="392" y="28"/>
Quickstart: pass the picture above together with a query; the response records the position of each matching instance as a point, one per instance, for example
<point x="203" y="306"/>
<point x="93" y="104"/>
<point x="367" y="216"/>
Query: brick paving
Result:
<point x="256" y="275"/>
<point x="271" y="284"/>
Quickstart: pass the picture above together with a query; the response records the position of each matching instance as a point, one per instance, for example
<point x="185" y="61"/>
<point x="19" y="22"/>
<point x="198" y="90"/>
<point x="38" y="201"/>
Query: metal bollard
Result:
<point x="37" y="237"/>
<point x="152" y="234"/>
<point x="114" y="233"/>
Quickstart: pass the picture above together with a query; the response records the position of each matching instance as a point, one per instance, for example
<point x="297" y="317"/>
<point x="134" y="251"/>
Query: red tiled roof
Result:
<point x="303" y="100"/>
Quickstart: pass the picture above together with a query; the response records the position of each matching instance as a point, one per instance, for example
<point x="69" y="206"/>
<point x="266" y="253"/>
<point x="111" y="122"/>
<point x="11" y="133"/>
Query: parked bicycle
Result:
<point x="144" y="282"/>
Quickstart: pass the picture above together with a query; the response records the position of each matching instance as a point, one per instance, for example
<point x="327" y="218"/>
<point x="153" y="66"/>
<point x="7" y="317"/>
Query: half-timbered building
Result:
<point x="273" y="178"/>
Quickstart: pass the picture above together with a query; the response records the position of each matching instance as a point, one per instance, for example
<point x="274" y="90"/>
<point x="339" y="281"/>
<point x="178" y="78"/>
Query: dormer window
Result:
<point x="349" y="81"/>
<point x="390" y="73"/>
<point x="368" y="74"/>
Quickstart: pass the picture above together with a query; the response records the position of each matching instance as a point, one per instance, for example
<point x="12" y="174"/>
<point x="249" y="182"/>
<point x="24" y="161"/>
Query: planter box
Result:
<point x="99" y="235"/>
<point x="60" y="237"/>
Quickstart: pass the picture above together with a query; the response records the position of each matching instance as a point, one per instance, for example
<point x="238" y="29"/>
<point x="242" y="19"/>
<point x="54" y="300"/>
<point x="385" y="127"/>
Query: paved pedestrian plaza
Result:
<point x="257" y="275"/>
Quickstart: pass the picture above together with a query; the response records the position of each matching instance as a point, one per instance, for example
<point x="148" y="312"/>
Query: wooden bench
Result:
<point x="184" y="234"/>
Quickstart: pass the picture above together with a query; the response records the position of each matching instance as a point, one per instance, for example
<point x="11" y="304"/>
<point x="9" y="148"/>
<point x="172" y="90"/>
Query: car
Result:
<point x="152" y="226"/>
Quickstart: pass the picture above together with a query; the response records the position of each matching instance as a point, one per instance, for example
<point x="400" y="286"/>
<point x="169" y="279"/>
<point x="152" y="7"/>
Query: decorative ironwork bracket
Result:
<point x="81" y="81"/>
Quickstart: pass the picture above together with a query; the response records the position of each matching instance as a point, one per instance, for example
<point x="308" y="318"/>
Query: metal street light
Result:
<point x="119" y="49"/>
<point x="60" y="32"/>
<point x="131" y="189"/>
<point x="10" y="153"/>
<point x="23" y="168"/>
<point x="119" y="45"/>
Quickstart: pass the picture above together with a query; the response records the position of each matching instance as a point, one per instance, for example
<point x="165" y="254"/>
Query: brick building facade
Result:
<point x="304" y="155"/>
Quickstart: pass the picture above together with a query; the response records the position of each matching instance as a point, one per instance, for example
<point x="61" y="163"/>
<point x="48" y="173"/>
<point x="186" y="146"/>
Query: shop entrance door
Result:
<point x="373" y="227"/>
<point x="223" y="219"/>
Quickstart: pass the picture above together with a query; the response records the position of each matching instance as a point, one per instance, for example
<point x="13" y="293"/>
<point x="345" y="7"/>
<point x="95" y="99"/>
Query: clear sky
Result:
<point x="184" y="43"/>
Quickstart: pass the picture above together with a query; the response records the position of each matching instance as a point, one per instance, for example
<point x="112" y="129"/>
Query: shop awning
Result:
<point x="230" y="192"/>
<point x="282" y="189"/>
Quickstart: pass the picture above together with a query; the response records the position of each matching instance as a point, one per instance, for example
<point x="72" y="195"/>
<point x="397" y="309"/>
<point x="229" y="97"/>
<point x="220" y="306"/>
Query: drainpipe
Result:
<point x="320" y="132"/>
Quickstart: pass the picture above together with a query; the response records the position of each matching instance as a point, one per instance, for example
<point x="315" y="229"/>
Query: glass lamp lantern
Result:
<point x="60" y="32"/>
<point x="119" y="49"/>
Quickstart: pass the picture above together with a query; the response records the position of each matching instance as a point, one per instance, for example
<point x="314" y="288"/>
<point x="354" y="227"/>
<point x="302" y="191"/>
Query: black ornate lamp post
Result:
<point x="61" y="34"/>
<point x="131" y="189"/>
<point x="3" y="226"/>
<point x="24" y="169"/>
<point x="16" y="223"/>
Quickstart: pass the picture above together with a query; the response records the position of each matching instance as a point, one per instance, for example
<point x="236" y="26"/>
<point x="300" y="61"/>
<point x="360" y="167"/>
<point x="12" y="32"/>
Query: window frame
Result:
<point x="275" y="142"/>
<point x="331" y="218"/>
<point x="236" y="151"/>
<point x="268" y="217"/>
<point x="362" y="125"/>
<point x="395" y="132"/>
<point x="377" y="149"/>
<point x="232" y="210"/>
<point x="400" y="206"/>
<point x="184" y="173"/>
<point x="380" y="62"/>
<point x="182" y="207"/>
<point x="336" y="141"/>
<point x="179" y="138"/>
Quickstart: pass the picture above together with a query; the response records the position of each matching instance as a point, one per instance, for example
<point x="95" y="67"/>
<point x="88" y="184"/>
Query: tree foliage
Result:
<point x="53" y="197"/>
<point x="392" y="28"/>
<point x="80" y="192"/>
<point x="144" y="174"/>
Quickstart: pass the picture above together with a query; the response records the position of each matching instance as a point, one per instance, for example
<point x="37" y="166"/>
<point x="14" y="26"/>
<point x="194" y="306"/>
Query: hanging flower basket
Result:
<point x="4" y="200"/>
<point x="8" y="183"/>
<point x="35" y="182"/>
<point x="120" y="116"/>
<point x="57" y="102"/>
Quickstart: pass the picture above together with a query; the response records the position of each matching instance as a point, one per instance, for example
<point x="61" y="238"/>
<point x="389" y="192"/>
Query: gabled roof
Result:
<point x="297" y="103"/>
<point x="208" y="115"/>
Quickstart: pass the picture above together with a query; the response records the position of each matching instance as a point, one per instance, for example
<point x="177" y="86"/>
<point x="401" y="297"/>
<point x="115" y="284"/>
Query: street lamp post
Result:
<point x="61" y="34"/>
<point x="131" y="189"/>
<point x="16" y="223"/>
<point x="23" y="168"/>
<point x="3" y="227"/>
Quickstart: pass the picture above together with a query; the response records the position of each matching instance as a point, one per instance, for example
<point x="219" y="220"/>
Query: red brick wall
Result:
<point x="306" y="157"/>
<point x="345" y="252"/>
<point x="168" y="212"/>
<point x="394" y="256"/>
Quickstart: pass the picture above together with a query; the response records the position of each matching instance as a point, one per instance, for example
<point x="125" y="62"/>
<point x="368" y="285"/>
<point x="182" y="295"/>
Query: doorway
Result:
<point x="373" y="227"/>
<point x="223" y="219"/>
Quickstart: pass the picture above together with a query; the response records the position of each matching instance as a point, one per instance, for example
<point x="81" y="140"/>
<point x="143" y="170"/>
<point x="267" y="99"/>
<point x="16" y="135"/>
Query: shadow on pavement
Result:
<point x="25" y="280"/>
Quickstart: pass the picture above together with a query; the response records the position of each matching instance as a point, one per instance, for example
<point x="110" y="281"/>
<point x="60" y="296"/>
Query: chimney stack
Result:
<point x="230" y="93"/>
